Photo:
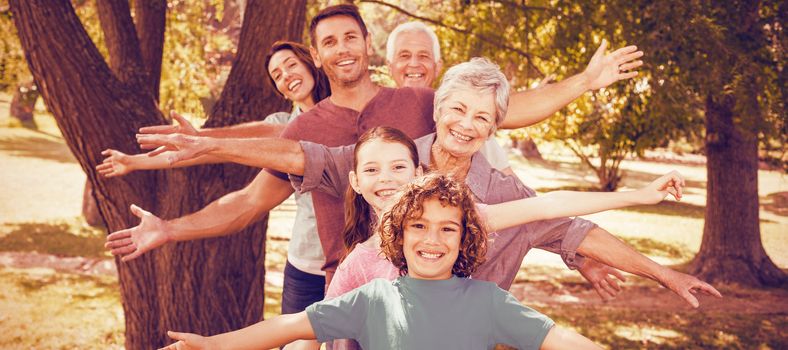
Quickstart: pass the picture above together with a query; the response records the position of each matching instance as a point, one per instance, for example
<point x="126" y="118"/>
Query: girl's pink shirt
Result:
<point x="365" y="263"/>
<point x="362" y="265"/>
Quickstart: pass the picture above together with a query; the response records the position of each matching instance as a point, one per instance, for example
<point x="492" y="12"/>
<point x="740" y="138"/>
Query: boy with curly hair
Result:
<point x="433" y="234"/>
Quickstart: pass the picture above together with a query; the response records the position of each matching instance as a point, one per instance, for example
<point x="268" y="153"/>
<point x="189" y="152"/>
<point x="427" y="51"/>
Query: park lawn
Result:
<point x="48" y="308"/>
<point x="638" y="329"/>
<point x="44" y="309"/>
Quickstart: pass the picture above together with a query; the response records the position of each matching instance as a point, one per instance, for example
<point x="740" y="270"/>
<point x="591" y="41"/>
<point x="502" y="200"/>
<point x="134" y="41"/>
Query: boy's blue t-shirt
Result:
<point x="408" y="313"/>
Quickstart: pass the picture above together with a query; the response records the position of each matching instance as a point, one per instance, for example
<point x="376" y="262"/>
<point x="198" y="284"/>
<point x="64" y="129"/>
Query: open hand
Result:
<point x="601" y="277"/>
<point x="116" y="163"/>
<point x="188" y="341"/>
<point x="687" y="286"/>
<point x="133" y="242"/>
<point x="182" y="147"/>
<point x="605" y="69"/>
<point x="182" y="126"/>
<point x="671" y="183"/>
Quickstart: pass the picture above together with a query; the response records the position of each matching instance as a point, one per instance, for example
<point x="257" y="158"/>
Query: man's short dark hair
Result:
<point x="349" y="10"/>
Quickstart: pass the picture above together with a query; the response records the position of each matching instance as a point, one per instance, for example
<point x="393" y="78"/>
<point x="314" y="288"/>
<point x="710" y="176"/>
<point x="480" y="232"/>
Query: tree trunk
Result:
<point x="246" y="91"/>
<point x="90" y="209"/>
<point x="150" y="18"/>
<point x="23" y="104"/>
<point x="228" y="292"/>
<point x="125" y="56"/>
<point x="207" y="286"/>
<point x="232" y="19"/>
<point x="528" y="149"/>
<point x="731" y="250"/>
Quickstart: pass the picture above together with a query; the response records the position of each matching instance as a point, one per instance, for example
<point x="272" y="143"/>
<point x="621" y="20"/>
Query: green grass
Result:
<point x="58" y="238"/>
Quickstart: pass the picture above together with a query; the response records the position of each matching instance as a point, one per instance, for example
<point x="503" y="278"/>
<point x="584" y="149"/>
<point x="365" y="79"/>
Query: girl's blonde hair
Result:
<point x="410" y="205"/>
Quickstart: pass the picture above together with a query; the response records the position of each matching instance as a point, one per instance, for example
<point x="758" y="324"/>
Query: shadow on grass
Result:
<point x="53" y="310"/>
<point x="37" y="147"/>
<point x="578" y="173"/>
<point x="57" y="239"/>
<point x="653" y="247"/>
<point x="670" y="209"/>
<point x="82" y="287"/>
<point x="676" y="209"/>
<point x="664" y="208"/>
<point x="624" y="329"/>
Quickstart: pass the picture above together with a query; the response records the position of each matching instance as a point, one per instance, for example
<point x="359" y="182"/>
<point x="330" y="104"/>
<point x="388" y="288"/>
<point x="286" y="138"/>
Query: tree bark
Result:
<point x="731" y="250"/>
<point x="90" y="209"/>
<point x="125" y="58"/>
<point x="246" y="91"/>
<point x="232" y="278"/>
<point x="207" y="286"/>
<point x="150" y="18"/>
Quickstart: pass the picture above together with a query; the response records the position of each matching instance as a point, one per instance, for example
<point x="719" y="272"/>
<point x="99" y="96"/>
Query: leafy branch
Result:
<point x="495" y="41"/>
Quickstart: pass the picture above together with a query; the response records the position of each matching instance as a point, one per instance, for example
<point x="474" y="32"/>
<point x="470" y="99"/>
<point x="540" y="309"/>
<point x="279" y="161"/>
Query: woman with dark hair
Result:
<point x="282" y="52"/>
<point x="295" y="77"/>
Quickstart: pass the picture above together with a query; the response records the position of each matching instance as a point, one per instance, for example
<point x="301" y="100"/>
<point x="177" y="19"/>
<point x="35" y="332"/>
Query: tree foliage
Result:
<point x="535" y="38"/>
<point x="197" y="52"/>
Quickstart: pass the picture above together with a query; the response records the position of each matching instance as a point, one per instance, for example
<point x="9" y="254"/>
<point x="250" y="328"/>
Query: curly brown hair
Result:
<point x="409" y="205"/>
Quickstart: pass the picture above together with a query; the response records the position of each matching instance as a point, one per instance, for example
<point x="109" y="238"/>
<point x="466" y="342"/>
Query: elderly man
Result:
<point x="413" y="55"/>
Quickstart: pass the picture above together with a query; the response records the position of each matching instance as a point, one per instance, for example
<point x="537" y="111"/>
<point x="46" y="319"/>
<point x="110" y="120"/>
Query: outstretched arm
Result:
<point x="532" y="106"/>
<point x="604" y="247"/>
<point x="274" y="153"/>
<point x="250" y="129"/>
<point x="223" y="216"/>
<point x="118" y="163"/>
<point x="558" y="204"/>
<point x="267" y="334"/>
<point x="562" y="338"/>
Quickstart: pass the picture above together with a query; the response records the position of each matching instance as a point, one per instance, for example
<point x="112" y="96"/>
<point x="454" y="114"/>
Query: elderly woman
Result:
<point x="469" y="104"/>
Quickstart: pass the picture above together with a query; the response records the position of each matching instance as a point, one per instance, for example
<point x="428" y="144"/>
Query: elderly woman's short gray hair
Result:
<point x="478" y="73"/>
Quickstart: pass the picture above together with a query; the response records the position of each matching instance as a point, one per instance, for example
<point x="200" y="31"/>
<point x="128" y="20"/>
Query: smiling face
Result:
<point x="383" y="167"/>
<point x="292" y="77"/>
<point x="413" y="63"/>
<point x="431" y="243"/>
<point x="464" y="121"/>
<point x="341" y="50"/>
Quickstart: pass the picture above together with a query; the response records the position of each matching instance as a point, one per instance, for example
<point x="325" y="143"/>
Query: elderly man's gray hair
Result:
<point x="478" y="73"/>
<point x="409" y="27"/>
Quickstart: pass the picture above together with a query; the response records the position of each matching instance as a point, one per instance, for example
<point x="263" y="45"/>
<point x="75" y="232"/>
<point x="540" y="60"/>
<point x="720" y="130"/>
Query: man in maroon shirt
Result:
<point x="341" y="47"/>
